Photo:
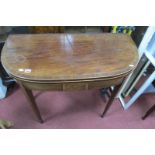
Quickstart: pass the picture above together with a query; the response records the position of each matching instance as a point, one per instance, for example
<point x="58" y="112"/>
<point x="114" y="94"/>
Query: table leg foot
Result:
<point x="113" y="95"/>
<point x="30" y="98"/>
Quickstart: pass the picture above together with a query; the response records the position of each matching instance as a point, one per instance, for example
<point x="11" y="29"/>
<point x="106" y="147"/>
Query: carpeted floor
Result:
<point x="74" y="110"/>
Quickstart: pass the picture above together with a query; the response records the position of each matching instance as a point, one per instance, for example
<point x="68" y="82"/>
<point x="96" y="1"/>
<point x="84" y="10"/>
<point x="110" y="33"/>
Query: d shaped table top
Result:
<point x="46" y="57"/>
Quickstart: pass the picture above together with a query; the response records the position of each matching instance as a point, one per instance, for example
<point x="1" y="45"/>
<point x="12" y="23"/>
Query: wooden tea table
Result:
<point x="68" y="62"/>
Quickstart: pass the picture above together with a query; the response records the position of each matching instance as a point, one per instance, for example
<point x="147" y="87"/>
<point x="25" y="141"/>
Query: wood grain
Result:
<point x="68" y="56"/>
<point x="69" y="62"/>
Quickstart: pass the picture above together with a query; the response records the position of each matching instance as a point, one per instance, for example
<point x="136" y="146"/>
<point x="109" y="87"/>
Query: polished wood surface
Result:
<point x="69" y="62"/>
<point x="47" y="57"/>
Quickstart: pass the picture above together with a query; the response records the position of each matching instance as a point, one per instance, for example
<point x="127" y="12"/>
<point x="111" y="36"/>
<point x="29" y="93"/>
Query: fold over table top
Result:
<point x="54" y="57"/>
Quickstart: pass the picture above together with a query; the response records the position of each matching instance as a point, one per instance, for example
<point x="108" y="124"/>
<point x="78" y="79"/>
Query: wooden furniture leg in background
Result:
<point x="30" y="98"/>
<point x="113" y="95"/>
<point x="149" y="112"/>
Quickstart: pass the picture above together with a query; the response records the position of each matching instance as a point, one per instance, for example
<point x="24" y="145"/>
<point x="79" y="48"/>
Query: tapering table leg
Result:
<point x="113" y="95"/>
<point x="30" y="98"/>
<point x="149" y="112"/>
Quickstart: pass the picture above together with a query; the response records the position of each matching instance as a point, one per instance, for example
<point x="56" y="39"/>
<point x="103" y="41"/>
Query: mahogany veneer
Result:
<point x="68" y="62"/>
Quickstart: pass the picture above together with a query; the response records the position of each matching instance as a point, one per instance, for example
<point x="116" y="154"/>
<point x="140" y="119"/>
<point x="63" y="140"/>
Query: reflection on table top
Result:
<point x="68" y="56"/>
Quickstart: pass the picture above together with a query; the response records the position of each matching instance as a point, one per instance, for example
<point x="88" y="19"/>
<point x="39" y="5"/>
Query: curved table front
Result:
<point x="69" y="62"/>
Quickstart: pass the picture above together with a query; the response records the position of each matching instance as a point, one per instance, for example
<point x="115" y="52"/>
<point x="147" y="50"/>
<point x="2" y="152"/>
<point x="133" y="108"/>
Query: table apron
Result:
<point x="70" y="86"/>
